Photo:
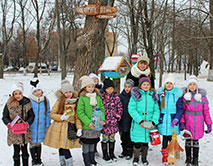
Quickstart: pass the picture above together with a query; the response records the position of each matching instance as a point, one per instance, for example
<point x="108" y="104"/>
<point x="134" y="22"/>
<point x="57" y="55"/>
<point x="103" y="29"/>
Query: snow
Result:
<point x="111" y="63"/>
<point x="50" y="155"/>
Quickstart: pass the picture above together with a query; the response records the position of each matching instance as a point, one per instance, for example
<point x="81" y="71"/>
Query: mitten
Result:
<point x="79" y="132"/>
<point x="174" y="122"/>
<point x="26" y="125"/>
<point x="9" y="126"/>
<point x="181" y="126"/>
<point x="209" y="129"/>
<point x="65" y="117"/>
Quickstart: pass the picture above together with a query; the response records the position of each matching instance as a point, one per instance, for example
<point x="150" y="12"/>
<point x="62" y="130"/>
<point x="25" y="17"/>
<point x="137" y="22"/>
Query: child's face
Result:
<point x="18" y="95"/>
<point x="169" y="86"/>
<point x="68" y="95"/>
<point x="38" y="92"/>
<point x="95" y="80"/>
<point x="90" y="88"/>
<point x="142" y="65"/>
<point x="127" y="88"/>
<point x="192" y="86"/>
<point x="110" y="90"/>
<point x="145" y="86"/>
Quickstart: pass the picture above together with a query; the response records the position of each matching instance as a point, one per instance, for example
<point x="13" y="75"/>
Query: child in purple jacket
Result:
<point x="196" y="112"/>
<point x="113" y="113"/>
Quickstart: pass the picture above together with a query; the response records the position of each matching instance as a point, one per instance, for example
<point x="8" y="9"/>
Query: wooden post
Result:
<point x="1" y="66"/>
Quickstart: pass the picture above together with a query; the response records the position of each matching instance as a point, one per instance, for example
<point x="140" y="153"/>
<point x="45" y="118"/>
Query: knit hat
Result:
<point x="108" y="83"/>
<point x="143" y="58"/>
<point x="17" y="86"/>
<point x="35" y="85"/>
<point x="129" y="82"/>
<point x="66" y="86"/>
<point x="93" y="75"/>
<point x="194" y="79"/>
<point x="170" y="78"/>
<point x="143" y="78"/>
<point x="86" y="80"/>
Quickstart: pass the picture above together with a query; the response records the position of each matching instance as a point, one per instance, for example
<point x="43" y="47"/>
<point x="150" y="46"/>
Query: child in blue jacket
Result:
<point x="171" y="106"/>
<point x="41" y="108"/>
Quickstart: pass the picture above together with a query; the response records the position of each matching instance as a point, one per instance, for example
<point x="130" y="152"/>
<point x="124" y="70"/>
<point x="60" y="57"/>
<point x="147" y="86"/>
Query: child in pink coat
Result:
<point x="196" y="113"/>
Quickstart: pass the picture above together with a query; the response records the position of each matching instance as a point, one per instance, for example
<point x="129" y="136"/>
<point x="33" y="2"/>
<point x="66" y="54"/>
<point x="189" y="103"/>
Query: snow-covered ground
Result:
<point x="50" y="156"/>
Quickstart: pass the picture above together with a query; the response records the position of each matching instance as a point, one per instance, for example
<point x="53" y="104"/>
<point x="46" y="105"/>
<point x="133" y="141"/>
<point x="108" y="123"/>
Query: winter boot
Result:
<point x="69" y="162"/>
<point x="188" y="156"/>
<point x="38" y="160"/>
<point x="86" y="158"/>
<point x="92" y="158"/>
<point x="25" y="161"/>
<point x="129" y="153"/>
<point x="105" y="152"/>
<point x="16" y="160"/>
<point x="144" y="155"/>
<point x="33" y="156"/>
<point x="136" y="154"/>
<point x="123" y="154"/>
<point x="62" y="160"/>
<point x="195" y="156"/>
<point x="165" y="156"/>
<point x="111" y="151"/>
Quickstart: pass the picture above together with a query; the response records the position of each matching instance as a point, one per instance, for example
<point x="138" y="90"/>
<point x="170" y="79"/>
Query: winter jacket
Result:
<point x="173" y="109"/>
<point x="136" y="80"/>
<point x="23" y="109"/>
<point x="85" y="110"/>
<point x="42" y="120"/>
<point x="113" y="112"/>
<point x="144" y="108"/>
<point x="56" y="135"/>
<point x="126" y="119"/>
<point x="196" y="113"/>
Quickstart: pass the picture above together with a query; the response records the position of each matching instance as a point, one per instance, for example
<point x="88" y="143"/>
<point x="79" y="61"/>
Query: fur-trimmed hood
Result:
<point x="83" y="93"/>
<point x="201" y="91"/>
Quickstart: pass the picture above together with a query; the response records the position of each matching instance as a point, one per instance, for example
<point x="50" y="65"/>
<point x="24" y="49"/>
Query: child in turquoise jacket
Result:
<point x="142" y="107"/>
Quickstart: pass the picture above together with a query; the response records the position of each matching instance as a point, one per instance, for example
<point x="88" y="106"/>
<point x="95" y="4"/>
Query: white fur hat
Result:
<point x="86" y="80"/>
<point x="192" y="78"/>
<point x="170" y="78"/>
<point x="17" y="86"/>
<point x="35" y="85"/>
<point x="93" y="75"/>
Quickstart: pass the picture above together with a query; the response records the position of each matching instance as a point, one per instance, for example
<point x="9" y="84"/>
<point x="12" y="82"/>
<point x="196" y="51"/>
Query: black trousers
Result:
<point x="126" y="142"/>
<point x="166" y="140"/>
<point x="18" y="148"/>
<point x="65" y="152"/>
<point x="140" y="145"/>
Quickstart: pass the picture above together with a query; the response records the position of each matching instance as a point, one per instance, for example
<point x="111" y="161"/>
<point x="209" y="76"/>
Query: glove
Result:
<point x="26" y="125"/>
<point x="79" y="132"/>
<point x="65" y="117"/>
<point x="181" y="126"/>
<point x="209" y="129"/>
<point x="174" y="122"/>
<point x="9" y="126"/>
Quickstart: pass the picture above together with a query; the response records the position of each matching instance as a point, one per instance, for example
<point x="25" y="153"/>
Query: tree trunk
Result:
<point x="173" y="38"/>
<point x="210" y="76"/>
<point x="91" y="49"/>
<point x="1" y="66"/>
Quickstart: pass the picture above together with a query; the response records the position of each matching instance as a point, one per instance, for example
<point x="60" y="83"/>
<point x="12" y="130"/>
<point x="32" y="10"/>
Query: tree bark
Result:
<point x="210" y="77"/>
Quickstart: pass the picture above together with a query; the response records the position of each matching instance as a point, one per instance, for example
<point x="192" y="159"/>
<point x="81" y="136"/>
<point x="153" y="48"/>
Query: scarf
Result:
<point x="37" y="99"/>
<point x="93" y="100"/>
<point x="136" y="72"/>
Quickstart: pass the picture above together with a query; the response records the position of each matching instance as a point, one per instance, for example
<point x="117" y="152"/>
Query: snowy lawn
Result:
<point x="50" y="156"/>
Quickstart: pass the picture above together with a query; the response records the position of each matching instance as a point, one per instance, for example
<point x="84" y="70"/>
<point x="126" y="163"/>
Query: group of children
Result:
<point x="167" y="109"/>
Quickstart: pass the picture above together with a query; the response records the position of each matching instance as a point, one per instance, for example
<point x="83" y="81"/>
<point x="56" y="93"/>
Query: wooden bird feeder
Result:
<point x="115" y="67"/>
<point x="101" y="12"/>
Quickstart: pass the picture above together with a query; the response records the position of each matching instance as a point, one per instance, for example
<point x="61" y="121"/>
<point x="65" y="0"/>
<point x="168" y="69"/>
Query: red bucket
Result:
<point x="154" y="137"/>
<point x="19" y="128"/>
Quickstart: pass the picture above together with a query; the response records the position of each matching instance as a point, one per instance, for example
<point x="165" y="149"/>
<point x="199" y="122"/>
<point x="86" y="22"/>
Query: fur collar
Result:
<point x="37" y="99"/>
<point x="59" y="94"/>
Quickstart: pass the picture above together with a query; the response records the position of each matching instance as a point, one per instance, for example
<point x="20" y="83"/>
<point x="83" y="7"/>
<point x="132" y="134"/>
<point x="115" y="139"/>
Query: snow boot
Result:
<point x="69" y="162"/>
<point x="136" y="154"/>
<point x="25" y="160"/>
<point x="195" y="156"/>
<point x="123" y="154"/>
<point x="105" y="152"/>
<point x="86" y="158"/>
<point x="111" y="151"/>
<point x="188" y="156"/>
<point x="33" y="156"/>
<point x="165" y="156"/>
<point x="92" y="158"/>
<point x="144" y="155"/>
<point x="16" y="160"/>
<point x="62" y="160"/>
<point x="129" y="153"/>
<point x="38" y="160"/>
